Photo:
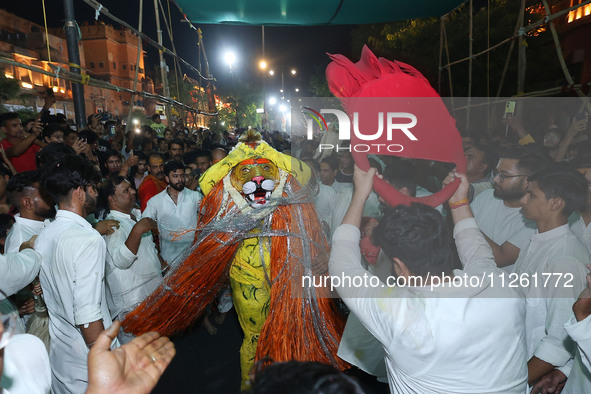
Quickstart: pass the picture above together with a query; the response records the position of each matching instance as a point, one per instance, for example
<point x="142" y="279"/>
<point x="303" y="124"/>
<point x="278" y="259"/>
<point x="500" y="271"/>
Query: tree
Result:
<point x="318" y="84"/>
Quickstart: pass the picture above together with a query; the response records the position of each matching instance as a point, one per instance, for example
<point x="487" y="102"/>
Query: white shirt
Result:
<point x="324" y="201"/>
<point x="372" y="207"/>
<point x="26" y="366"/>
<point x="579" y="379"/>
<point x="446" y="340"/>
<point x="17" y="270"/>
<point x="130" y="277"/>
<point x="580" y="230"/>
<point x="172" y="220"/>
<point x="72" y="278"/>
<point x="501" y="223"/>
<point x="340" y="186"/>
<point x="480" y="186"/>
<point x="22" y="231"/>
<point x="549" y="307"/>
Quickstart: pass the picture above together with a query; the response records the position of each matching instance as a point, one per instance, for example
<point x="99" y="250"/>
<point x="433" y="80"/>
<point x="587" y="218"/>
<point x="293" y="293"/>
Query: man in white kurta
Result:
<point x="72" y="278"/>
<point x="579" y="329"/>
<point x="175" y="211"/>
<point x="579" y="379"/>
<point x="553" y="262"/>
<point x="22" y="230"/>
<point x="581" y="229"/>
<point x="131" y="277"/>
<point x="441" y="341"/>
<point x="18" y="270"/>
<point x="133" y="269"/>
<point x="34" y="211"/>
<point x="498" y="211"/>
<point x="72" y="273"/>
<point x="499" y="222"/>
<point x="580" y="222"/>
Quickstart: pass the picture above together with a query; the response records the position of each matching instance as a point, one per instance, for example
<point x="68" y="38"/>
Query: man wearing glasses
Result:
<point x="498" y="211"/>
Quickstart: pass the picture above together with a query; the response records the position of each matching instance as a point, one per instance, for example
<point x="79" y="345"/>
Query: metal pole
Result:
<point x="521" y="58"/>
<point x="470" y="41"/>
<point x="282" y="84"/>
<point x="135" y="78"/>
<point x="72" y="38"/>
<point x="163" y="67"/>
<point x="263" y="123"/>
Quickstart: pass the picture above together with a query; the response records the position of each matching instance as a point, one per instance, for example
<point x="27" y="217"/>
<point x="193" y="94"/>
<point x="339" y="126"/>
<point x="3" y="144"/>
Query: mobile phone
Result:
<point x="49" y="92"/>
<point x="509" y="109"/>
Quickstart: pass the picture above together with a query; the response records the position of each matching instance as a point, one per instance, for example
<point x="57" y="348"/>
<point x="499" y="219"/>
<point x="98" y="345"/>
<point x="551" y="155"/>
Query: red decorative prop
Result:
<point x="373" y="86"/>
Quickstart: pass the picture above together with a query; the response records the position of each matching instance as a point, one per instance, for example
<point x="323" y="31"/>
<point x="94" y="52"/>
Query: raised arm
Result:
<point x="473" y="250"/>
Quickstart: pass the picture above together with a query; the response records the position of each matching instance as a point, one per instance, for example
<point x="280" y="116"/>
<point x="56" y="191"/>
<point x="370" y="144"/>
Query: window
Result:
<point x="579" y="12"/>
<point x="124" y="66"/>
<point x="141" y="70"/>
<point x="114" y="66"/>
<point x="101" y="65"/>
<point x="91" y="64"/>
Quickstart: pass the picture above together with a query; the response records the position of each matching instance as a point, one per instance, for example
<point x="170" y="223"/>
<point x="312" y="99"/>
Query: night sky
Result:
<point x="301" y="47"/>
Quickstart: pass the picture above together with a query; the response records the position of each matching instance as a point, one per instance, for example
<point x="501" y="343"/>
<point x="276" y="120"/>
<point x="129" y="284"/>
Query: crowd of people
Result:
<point x="92" y="220"/>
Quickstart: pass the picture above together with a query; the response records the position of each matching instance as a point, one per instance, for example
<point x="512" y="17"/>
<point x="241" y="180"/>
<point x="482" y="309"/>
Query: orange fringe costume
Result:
<point x="265" y="253"/>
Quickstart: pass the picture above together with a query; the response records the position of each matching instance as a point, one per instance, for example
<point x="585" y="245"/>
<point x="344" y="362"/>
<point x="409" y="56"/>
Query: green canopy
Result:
<point x="312" y="12"/>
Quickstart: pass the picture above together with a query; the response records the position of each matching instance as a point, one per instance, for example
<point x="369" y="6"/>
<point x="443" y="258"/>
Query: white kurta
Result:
<point x="172" y="220"/>
<point x="580" y="230"/>
<point x="324" y="201"/>
<point x="371" y="209"/>
<point x="501" y="223"/>
<point x="130" y="277"/>
<point x="72" y="278"/>
<point x="18" y="270"/>
<point x="22" y="231"/>
<point x="446" y="340"/>
<point x="579" y="379"/>
<point x="26" y="366"/>
<point x="340" y="186"/>
<point x="549" y="306"/>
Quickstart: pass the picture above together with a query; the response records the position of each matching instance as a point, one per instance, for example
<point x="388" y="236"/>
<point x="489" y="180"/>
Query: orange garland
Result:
<point x="298" y="327"/>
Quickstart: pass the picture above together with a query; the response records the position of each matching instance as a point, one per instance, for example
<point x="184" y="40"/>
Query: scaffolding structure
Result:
<point x="518" y="36"/>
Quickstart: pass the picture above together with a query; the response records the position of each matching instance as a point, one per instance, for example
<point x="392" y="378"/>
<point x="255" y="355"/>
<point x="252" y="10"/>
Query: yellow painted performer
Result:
<point x="257" y="229"/>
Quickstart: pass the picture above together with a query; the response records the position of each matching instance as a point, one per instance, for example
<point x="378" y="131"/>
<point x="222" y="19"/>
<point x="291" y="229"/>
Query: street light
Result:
<point x="272" y="101"/>
<point x="230" y="58"/>
<point x="293" y="71"/>
<point x="263" y="65"/>
<point x="271" y="72"/>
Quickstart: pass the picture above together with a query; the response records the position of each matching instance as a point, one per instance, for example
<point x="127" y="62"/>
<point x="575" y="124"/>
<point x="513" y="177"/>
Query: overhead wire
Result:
<point x="101" y="9"/>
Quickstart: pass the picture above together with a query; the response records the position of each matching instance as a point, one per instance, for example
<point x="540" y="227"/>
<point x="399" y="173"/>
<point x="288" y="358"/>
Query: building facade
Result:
<point x="106" y="53"/>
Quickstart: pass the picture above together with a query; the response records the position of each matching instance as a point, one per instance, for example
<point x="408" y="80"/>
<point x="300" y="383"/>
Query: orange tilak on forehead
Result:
<point x="254" y="161"/>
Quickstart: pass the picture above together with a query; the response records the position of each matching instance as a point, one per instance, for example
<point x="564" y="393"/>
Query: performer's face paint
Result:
<point x="255" y="179"/>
